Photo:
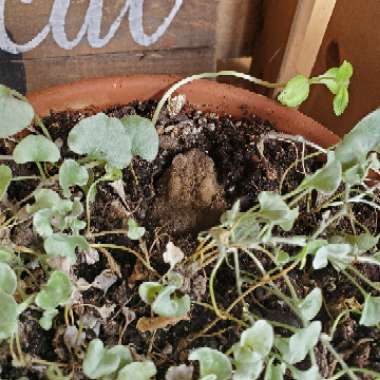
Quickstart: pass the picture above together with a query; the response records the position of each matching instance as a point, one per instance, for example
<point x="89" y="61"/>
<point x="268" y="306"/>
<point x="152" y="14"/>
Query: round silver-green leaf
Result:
<point x="36" y="148"/>
<point x="212" y="362"/>
<point x="72" y="174"/>
<point x="143" y="135"/>
<point x="15" y="114"/>
<point x="8" y="279"/>
<point x="8" y="316"/>
<point x="137" y="371"/>
<point x="102" y="138"/>
<point x="57" y="291"/>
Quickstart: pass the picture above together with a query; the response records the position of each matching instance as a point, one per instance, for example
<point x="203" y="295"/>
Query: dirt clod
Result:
<point x="190" y="198"/>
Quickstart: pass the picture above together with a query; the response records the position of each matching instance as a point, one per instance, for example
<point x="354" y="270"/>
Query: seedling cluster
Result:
<point x="101" y="148"/>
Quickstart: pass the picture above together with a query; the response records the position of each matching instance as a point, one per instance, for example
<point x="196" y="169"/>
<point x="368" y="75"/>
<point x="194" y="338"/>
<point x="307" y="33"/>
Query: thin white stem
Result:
<point x="184" y="81"/>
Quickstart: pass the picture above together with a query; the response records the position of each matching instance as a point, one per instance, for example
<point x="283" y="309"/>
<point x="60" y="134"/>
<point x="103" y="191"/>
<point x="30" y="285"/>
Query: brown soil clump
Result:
<point x="189" y="196"/>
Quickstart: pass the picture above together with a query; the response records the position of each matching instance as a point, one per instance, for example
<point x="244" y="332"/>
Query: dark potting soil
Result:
<point x="205" y="163"/>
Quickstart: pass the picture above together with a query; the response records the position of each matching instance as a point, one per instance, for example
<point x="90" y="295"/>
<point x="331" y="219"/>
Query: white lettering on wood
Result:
<point x="91" y="26"/>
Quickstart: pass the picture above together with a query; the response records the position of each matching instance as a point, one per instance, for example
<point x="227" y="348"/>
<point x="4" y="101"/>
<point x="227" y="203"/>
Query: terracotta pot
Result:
<point x="203" y="94"/>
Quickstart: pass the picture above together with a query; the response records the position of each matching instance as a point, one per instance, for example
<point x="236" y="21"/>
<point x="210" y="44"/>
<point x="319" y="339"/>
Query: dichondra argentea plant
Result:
<point x="101" y="148"/>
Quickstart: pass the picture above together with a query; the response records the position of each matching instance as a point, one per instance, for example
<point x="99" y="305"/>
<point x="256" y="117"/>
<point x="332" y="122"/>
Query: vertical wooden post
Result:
<point x="308" y="28"/>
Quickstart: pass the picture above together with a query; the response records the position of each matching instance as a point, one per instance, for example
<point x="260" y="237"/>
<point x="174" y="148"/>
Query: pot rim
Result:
<point x="205" y="95"/>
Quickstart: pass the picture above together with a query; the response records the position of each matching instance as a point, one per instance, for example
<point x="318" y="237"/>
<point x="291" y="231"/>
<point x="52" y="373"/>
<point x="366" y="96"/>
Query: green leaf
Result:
<point x="5" y="179"/>
<point x="57" y="291"/>
<point x="102" y="138"/>
<point x="274" y="372"/>
<point x="326" y="179"/>
<point x="345" y="72"/>
<point x="337" y="80"/>
<point x="356" y="174"/>
<point x="135" y="232"/>
<point x="339" y="255"/>
<point x="362" y="139"/>
<point x="99" y="361"/>
<point x="229" y="217"/>
<point x="71" y="174"/>
<point x="15" y="114"/>
<point x="112" y="174"/>
<point x="64" y="246"/>
<point x="329" y="78"/>
<point x="174" y="278"/>
<point x="246" y="230"/>
<point x="36" y="148"/>
<point x="42" y="222"/>
<point x="167" y="306"/>
<point x="46" y="321"/>
<point x="295" y="92"/>
<point x="282" y="257"/>
<point x="295" y="348"/>
<point x="123" y="353"/>
<point x="8" y="316"/>
<point x="46" y="198"/>
<point x="371" y="311"/>
<point x="148" y="291"/>
<point x="8" y="279"/>
<point x="212" y="362"/>
<point x="143" y="136"/>
<point x="258" y="338"/>
<point x="276" y="211"/>
<point x="363" y="242"/>
<point x="310" y="374"/>
<point x="6" y="255"/>
<point x="337" y="77"/>
<point x="137" y="371"/>
<point x="248" y="364"/>
<point x="340" y="101"/>
<point x="310" y="306"/>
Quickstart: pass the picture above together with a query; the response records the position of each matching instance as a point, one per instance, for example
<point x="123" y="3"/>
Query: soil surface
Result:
<point x="205" y="164"/>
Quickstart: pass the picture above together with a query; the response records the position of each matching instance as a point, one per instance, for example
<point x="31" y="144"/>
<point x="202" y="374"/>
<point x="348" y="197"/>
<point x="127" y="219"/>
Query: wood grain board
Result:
<point x="353" y="34"/>
<point x="187" y="43"/>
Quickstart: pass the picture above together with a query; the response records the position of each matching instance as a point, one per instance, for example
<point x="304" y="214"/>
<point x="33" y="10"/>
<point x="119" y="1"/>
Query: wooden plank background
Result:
<point x="187" y="45"/>
<point x="353" y="34"/>
<point x="203" y="36"/>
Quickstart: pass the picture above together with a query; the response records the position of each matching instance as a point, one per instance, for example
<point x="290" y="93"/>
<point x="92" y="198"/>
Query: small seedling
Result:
<point x="163" y="300"/>
<point x="115" y="363"/>
<point x="56" y="292"/>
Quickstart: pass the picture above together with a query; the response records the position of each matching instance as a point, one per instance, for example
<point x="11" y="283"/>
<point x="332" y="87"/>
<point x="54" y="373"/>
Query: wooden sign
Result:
<point x="45" y="42"/>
